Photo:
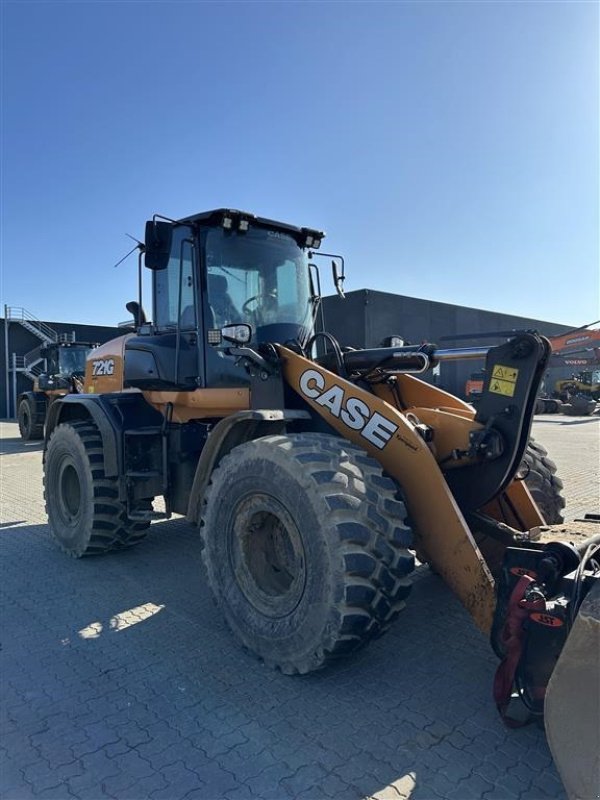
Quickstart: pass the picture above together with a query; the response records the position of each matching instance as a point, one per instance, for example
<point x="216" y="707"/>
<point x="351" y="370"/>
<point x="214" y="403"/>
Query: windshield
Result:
<point x="71" y="360"/>
<point x="259" y="277"/>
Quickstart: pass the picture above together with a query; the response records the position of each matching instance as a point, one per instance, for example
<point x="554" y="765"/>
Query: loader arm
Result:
<point x="388" y="436"/>
<point x="456" y="467"/>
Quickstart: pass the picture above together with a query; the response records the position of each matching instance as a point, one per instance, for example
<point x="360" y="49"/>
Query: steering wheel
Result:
<point x="260" y="296"/>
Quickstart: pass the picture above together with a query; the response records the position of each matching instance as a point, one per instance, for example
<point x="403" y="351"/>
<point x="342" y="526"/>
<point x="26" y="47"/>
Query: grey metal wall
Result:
<point x="365" y="317"/>
<point x="21" y="341"/>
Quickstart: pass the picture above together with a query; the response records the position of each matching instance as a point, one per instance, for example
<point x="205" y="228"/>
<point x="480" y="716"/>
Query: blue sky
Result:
<point x="450" y="150"/>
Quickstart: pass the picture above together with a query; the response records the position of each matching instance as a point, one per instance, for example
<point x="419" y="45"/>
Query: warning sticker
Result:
<point x="504" y="380"/>
<point x="505" y="373"/>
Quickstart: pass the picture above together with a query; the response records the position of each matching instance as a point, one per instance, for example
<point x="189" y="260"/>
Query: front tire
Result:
<point x="29" y="427"/>
<point x="305" y="548"/>
<point x="85" y="514"/>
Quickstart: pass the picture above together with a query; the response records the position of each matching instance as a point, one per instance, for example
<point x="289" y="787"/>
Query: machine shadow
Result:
<point x="11" y="445"/>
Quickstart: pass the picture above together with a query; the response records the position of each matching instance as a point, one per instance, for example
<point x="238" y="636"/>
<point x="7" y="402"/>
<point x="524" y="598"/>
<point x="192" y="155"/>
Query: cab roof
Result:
<point x="217" y="215"/>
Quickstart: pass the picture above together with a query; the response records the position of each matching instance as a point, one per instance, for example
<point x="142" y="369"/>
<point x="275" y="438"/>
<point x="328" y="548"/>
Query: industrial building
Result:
<point x="21" y="335"/>
<point x="362" y="319"/>
<point x="365" y="317"/>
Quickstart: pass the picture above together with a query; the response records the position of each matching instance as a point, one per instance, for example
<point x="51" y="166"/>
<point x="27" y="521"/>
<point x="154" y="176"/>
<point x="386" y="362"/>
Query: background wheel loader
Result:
<point x="63" y="373"/>
<point x="315" y="472"/>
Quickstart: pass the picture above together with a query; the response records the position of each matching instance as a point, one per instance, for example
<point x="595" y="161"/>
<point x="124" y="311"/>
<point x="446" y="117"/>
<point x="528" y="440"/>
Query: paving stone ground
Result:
<point x="120" y="680"/>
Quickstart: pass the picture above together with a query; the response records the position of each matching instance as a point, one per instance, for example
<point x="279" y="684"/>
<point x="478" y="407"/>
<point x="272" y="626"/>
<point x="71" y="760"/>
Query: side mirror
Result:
<point x="237" y="334"/>
<point x="158" y="239"/>
<point x="338" y="276"/>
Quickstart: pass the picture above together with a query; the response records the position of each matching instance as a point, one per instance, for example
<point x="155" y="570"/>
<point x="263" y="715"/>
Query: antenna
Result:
<point x="139" y="246"/>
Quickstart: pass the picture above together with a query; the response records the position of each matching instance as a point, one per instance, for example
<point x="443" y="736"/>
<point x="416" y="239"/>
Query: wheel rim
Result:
<point x="266" y="555"/>
<point x="69" y="493"/>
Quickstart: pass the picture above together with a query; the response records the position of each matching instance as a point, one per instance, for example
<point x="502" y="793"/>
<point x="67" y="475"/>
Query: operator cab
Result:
<point x="64" y="361"/>
<point x="71" y="359"/>
<point x="213" y="270"/>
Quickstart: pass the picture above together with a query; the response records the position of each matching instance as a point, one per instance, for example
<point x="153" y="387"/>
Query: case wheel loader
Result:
<point x="315" y="473"/>
<point x="63" y="373"/>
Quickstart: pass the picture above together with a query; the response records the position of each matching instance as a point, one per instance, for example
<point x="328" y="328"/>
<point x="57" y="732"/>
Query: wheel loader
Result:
<point x="63" y="373"/>
<point x="316" y="473"/>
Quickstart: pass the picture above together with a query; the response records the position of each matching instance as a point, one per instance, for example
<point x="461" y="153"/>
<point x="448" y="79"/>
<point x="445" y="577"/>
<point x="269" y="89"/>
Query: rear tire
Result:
<point x="305" y="548"/>
<point x="29" y="427"/>
<point x="84" y="511"/>
<point x="542" y="482"/>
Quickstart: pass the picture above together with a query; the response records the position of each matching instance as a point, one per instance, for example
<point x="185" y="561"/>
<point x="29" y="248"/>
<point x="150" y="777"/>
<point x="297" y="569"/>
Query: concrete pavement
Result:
<point x="120" y="680"/>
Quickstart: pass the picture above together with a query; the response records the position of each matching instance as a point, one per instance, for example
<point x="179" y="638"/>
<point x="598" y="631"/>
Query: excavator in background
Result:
<point x="314" y="475"/>
<point x="63" y="374"/>
<point x="584" y="337"/>
<point x="579" y="394"/>
<point x="584" y="382"/>
<point x="579" y="351"/>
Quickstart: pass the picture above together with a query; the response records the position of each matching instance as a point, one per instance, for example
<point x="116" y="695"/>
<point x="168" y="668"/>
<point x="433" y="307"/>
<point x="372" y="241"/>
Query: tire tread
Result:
<point x="111" y="529"/>
<point x="543" y="483"/>
<point x="366" y="511"/>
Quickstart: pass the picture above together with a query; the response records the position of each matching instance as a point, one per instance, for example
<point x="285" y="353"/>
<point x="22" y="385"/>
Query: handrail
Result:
<point x="33" y="356"/>
<point x="20" y="314"/>
<point x="27" y="365"/>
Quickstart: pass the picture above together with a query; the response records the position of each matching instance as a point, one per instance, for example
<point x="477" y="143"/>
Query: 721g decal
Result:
<point x="104" y="366"/>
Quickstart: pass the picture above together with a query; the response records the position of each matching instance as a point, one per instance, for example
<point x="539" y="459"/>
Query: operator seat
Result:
<point x="220" y="303"/>
<point x="188" y="318"/>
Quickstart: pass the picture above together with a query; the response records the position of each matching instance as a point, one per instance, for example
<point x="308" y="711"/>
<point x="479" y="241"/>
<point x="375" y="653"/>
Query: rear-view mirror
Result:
<point x="158" y="239"/>
<point x="237" y="334"/>
<point x="337" y="270"/>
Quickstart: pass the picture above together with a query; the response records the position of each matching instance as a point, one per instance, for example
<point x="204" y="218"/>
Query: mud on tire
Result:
<point x="305" y="547"/>
<point x="84" y="511"/>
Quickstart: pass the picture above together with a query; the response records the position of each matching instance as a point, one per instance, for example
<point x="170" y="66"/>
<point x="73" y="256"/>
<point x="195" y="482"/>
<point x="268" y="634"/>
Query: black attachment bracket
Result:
<point x="513" y="371"/>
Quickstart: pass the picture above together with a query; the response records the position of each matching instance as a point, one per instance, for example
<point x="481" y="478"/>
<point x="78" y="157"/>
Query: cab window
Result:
<point x="170" y="281"/>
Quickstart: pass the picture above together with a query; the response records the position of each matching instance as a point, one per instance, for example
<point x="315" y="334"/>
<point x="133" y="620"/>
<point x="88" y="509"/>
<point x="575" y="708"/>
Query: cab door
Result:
<point x="177" y="311"/>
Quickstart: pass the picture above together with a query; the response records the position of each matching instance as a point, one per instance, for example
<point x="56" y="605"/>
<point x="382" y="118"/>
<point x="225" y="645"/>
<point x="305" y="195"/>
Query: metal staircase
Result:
<point x="32" y="368"/>
<point x="32" y="324"/>
<point x="32" y="364"/>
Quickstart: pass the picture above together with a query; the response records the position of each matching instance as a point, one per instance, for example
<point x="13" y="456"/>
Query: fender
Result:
<point x="80" y="407"/>
<point x="227" y="434"/>
<point x="35" y="397"/>
<point x="31" y="396"/>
